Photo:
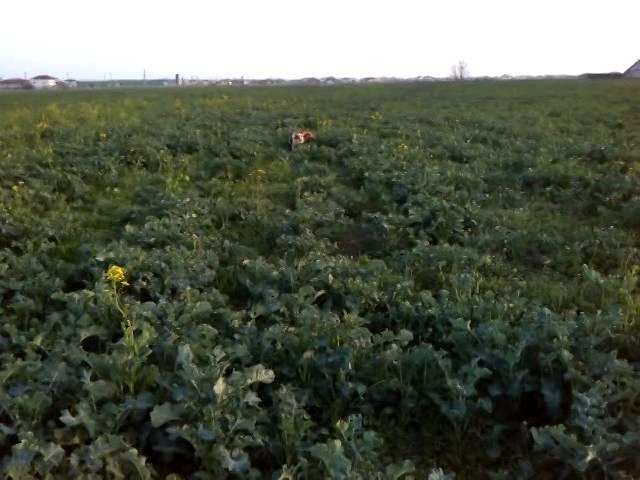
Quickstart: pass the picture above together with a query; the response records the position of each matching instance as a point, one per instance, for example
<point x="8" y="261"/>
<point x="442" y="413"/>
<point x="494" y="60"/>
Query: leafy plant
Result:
<point x="444" y="285"/>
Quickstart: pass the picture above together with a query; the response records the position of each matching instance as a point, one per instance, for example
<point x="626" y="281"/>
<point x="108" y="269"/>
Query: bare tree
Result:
<point x="459" y="71"/>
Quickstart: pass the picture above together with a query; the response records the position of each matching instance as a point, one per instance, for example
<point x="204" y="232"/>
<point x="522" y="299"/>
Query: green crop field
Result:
<point x="446" y="283"/>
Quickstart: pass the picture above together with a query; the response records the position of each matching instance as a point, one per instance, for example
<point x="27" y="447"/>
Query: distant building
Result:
<point x="229" y="82"/>
<point x="15" y="84"/>
<point x="71" y="83"/>
<point x="44" y="81"/>
<point x="602" y="76"/>
<point x="633" y="71"/>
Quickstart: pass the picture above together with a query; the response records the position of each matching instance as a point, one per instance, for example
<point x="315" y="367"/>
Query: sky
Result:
<point x="89" y="39"/>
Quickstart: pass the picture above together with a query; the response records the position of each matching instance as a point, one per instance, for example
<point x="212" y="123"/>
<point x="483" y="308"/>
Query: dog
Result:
<point x="299" y="137"/>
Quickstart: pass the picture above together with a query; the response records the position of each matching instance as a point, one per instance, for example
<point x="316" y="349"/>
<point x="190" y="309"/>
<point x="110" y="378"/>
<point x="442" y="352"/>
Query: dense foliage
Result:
<point x="447" y="279"/>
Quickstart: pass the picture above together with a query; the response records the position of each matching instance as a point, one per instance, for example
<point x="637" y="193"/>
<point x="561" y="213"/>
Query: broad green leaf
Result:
<point x="404" y="336"/>
<point x="236" y="461"/>
<point x="258" y="373"/>
<point x="184" y="358"/>
<point x="134" y="459"/>
<point x="52" y="455"/>
<point x="252" y="399"/>
<point x="68" y="419"/>
<point x="162" y="414"/>
<point x="101" y="389"/>
<point x="397" y="471"/>
<point x="220" y="388"/>
<point x="438" y="474"/>
<point x="331" y="454"/>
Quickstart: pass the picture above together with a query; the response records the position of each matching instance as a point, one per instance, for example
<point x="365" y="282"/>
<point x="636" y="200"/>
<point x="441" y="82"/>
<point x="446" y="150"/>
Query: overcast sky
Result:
<point x="90" y="39"/>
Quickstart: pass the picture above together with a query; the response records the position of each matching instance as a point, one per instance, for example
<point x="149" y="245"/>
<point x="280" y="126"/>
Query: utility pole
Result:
<point x="144" y="76"/>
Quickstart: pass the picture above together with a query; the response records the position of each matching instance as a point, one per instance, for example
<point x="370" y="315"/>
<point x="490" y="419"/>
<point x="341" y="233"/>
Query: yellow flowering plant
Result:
<point x="117" y="275"/>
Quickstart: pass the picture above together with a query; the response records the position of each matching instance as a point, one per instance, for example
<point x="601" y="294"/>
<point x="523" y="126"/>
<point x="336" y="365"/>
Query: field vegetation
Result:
<point x="444" y="283"/>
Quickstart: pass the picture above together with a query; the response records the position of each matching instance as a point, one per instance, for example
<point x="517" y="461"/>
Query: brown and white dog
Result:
<point x="299" y="137"/>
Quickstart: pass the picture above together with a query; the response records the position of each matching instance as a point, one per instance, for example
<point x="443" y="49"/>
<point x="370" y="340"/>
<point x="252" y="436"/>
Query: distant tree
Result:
<point x="460" y="71"/>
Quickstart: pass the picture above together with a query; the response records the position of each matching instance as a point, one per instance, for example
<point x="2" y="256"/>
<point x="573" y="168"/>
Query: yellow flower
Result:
<point x="403" y="146"/>
<point x="117" y="275"/>
<point x="103" y="136"/>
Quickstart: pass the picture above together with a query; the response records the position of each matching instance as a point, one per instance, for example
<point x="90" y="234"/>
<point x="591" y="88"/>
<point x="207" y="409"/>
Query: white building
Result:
<point x="44" y="81"/>
<point x="15" y="84"/>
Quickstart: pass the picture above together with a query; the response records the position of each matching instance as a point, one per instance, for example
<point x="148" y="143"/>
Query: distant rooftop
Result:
<point x="633" y="68"/>
<point x="44" y="77"/>
<point x="13" y="80"/>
